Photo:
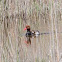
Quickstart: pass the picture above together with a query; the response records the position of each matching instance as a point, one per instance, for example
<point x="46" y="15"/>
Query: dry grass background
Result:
<point x="42" y="15"/>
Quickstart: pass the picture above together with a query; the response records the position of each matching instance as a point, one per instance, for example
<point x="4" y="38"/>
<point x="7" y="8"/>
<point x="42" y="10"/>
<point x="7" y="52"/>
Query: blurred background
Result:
<point x="42" y="15"/>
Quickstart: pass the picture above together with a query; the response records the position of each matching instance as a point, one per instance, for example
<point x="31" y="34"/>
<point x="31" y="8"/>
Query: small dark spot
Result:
<point x="7" y="17"/>
<point x="47" y="8"/>
<point x="6" y="8"/>
<point x="11" y="1"/>
<point x="7" y="24"/>
<point x="2" y="20"/>
<point x="24" y="2"/>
